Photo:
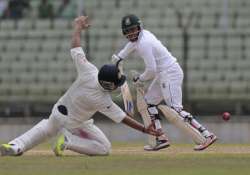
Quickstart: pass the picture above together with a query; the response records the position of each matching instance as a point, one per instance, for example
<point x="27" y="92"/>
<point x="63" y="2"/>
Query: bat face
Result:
<point x="142" y="109"/>
<point x="130" y="106"/>
<point x="126" y="95"/>
<point x="127" y="99"/>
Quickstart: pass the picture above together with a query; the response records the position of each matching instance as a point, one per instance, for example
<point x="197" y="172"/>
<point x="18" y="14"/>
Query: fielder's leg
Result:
<point x="41" y="131"/>
<point x="29" y="139"/>
<point x="87" y="139"/>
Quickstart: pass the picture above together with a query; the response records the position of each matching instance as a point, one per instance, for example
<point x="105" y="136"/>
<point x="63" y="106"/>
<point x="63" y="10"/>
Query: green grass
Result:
<point x="124" y="162"/>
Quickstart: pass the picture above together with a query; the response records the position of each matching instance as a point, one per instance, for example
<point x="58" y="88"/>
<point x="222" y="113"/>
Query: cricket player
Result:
<point x="71" y="115"/>
<point x="167" y="76"/>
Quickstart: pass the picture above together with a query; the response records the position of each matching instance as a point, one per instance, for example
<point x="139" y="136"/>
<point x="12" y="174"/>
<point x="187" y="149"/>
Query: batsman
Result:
<point x="167" y="76"/>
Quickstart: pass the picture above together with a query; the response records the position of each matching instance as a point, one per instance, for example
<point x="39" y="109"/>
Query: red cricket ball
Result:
<point x="226" y="116"/>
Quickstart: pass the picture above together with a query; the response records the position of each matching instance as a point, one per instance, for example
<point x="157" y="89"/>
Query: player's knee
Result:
<point x="184" y="114"/>
<point x="103" y="150"/>
<point x="152" y="109"/>
<point x="152" y="100"/>
<point x="153" y="112"/>
<point x="106" y="149"/>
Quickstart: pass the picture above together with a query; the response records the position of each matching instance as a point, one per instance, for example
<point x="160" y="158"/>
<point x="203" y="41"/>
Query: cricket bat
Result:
<point x="173" y="117"/>
<point x="142" y="109"/>
<point x="127" y="97"/>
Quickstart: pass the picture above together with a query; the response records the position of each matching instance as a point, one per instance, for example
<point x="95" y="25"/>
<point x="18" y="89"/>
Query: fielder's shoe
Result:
<point x="10" y="150"/>
<point x="160" y="144"/>
<point x="59" y="146"/>
<point x="209" y="141"/>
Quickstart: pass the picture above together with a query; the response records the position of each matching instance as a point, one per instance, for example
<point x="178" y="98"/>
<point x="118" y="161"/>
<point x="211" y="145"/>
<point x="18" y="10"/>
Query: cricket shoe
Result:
<point x="10" y="150"/>
<point x="160" y="144"/>
<point x="209" y="141"/>
<point x="59" y="146"/>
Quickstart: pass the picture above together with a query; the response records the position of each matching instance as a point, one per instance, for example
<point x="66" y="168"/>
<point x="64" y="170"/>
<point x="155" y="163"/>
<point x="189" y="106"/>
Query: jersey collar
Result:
<point x="140" y="34"/>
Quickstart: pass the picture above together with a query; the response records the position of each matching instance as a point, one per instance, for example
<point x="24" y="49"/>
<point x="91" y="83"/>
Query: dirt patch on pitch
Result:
<point x="171" y="151"/>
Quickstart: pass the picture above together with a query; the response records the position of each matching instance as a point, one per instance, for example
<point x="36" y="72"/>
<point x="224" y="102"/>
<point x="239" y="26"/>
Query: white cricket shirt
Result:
<point x="86" y="96"/>
<point x="154" y="54"/>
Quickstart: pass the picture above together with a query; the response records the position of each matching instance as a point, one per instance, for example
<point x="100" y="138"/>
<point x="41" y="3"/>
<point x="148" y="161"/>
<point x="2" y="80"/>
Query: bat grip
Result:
<point x="128" y="114"/>
<point x="118" y="65"/>
<point x="144" y="129"/>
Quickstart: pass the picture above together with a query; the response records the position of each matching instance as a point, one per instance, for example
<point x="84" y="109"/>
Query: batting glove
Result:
<point x="116" y="60"/>
<point x="136" y="78"/>
<point x="137" y="81"/>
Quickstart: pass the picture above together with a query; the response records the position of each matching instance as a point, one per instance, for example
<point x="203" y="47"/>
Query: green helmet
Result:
<point x="130" y="21"/>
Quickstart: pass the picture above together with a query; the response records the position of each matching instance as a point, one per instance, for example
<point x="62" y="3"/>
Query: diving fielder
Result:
<point x="166" y="75"/>
<point x="71" y="114"/>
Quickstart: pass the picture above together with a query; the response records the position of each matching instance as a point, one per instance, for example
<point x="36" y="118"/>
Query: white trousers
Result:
<point x="167" y="85"/>
<point x="82" y="137"/>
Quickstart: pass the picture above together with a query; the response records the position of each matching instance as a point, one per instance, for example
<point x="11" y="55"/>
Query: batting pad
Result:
<point x="173" y="117"/>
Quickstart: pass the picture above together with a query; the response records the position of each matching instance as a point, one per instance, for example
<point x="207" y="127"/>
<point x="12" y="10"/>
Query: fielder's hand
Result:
<point x="81" y="22"/>
<point x="152" y="131"/>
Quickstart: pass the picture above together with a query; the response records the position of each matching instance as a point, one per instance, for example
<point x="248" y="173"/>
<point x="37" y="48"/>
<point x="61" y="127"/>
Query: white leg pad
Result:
<point x="173" y="117"/>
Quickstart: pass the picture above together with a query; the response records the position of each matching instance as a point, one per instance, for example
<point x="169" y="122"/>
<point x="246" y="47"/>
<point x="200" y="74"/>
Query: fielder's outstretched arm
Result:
<point x="80" y="23"/>
<point x="138" y="126"/>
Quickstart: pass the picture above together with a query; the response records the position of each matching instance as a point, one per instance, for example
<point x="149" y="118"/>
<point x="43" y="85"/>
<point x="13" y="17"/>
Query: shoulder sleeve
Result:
<point x="146" y="52"/>
<point x="80" y="60"/>
<point x="78" y="54"/>
<point x="129" y="48"/>
<point x="113" y="112"/>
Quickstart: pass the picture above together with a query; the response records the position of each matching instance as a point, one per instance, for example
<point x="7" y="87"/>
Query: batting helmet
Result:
<point x="110" y="77"/>
<point x="128" y="23"/>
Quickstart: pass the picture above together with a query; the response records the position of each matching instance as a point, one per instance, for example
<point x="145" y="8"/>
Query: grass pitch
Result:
<point x="130" y="159"/>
